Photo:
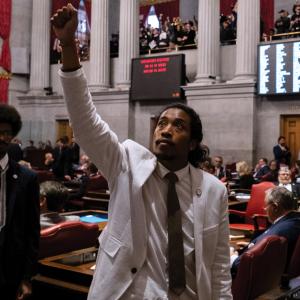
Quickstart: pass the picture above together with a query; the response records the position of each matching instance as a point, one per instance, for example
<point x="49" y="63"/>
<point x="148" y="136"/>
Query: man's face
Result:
<point x="261" y="162"/>
<point x="172" y="136"/>
<point x="282" y="142"/>
<point x="270" y="209"/>
<point x="273" y="165"/>
<point x="218" y="162"/>
<point x="284" y="177"/>
<point x="5" y="138"/>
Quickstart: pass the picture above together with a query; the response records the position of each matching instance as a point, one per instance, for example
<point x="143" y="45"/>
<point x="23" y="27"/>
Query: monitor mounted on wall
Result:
<point x="158" y="78"/>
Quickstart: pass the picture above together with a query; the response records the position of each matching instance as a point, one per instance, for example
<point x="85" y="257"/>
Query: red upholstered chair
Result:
<point x="260" y="268"/>
<point x="67" y="236"/>
<point x="255" y="209"/>
<point x="44" y="175"/>
<point x="294" y="265"/>
<point x="96" y="183"/>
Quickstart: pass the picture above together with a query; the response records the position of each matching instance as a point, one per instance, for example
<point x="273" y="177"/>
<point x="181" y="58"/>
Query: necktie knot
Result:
<point x="172" y="177"/>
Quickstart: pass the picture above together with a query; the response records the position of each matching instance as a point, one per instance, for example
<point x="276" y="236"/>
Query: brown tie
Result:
<point x="175" y="244"/>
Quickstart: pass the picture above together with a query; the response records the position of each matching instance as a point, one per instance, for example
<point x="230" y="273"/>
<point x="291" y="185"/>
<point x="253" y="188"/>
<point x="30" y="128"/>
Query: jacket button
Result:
<point x="133" y="270"/>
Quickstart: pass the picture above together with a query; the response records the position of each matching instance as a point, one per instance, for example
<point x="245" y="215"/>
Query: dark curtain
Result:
<point x="225" y="6"/>
<point x="267" y="14"/>
<point x="88" y="5"/>
<point x="5" y="58"/>
<point x="170" y="9"/>
<point x="144" y="11"/>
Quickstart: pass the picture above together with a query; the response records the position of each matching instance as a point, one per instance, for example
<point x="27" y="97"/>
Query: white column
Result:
<point x="208" y="42"/>
<point x="40" y="46"/>
<point x="128" y="40"/>
<point x="99" y="51"/>
<point x="248" y="34"/>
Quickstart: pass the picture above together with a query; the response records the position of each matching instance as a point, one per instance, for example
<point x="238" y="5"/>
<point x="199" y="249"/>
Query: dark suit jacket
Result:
<point x="262" y="171"/>
<point x="282" y="156"/>
<point x="288" y="227"/>
<point x="63" y="163"/>
<point x="295" y="192"/>
<point x="19" y="238"/>
<point x="15" y="152"/>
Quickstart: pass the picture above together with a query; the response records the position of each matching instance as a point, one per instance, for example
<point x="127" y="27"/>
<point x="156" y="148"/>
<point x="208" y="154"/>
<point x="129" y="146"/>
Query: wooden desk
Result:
<point x="279" y="294"/>
<point x="93" y="212"/>
<point x="237" y="236"/>
<point x="68" y="275"/>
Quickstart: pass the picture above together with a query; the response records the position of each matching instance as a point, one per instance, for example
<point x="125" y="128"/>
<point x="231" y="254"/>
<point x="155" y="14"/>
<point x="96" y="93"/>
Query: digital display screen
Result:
<point x="279" y="68"/>
<point x="158" y="78"/>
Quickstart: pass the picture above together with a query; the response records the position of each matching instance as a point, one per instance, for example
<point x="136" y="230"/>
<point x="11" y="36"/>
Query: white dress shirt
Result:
<point x="151" y="282"/>
<point x="3" y="168"/>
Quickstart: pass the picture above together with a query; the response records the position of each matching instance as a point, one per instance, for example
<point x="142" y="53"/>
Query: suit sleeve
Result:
<point x="93" y="134"/>
<point x="32" y="227"/>
<point x="221" y="278"/>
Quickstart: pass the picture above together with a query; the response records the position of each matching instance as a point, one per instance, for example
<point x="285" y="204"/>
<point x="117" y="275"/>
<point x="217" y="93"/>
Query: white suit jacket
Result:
<point x="123" y="243"/>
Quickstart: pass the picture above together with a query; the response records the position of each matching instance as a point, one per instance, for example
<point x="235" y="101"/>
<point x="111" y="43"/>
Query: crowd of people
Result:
<point x="286" y="25"/>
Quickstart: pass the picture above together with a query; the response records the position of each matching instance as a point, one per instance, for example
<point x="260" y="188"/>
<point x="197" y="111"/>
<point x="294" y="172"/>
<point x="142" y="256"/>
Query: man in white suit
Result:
<point x="134" y="260"/>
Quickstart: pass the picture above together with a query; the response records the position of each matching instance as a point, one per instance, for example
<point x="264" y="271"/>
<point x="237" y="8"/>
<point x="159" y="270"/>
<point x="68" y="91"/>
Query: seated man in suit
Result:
<point x="261" y="169"/>
<point x="285" y="180"/>
<point x="53" y="196"/>
<point x="279" y="206"/>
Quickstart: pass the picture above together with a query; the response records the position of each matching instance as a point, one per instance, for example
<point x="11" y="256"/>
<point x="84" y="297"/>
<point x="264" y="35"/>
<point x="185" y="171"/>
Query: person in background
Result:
<point x="75" y="153"/>
<point x="279" y="206"/>
<point x="19" y="215"/>
<point x="48" y="146"/>
<point x="207" y="166"/>
<point x="285" y="180"/>
<point x="261" y="169"/>
<point x="246" y="179"/>
<point x="49" y="161"/>
<point x="62" y="166"/>
<point x="219" y="171"/>
<point x="296" y="172"/>
<point x="53" y="197"/>
<point x="282" y="24"/>
<point x="272" y="175"/>
<point x="281" y="151"/>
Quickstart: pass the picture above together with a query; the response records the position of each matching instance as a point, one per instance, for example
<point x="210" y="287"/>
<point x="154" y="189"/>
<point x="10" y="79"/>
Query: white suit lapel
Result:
<point x="199" y="203"/>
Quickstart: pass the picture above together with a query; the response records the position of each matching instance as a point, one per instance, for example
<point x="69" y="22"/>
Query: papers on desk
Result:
<point x="236" y="237"/>
<point x="93" y="219"/>
<point x="93" y="267"/>
<point x="242" y="197"/>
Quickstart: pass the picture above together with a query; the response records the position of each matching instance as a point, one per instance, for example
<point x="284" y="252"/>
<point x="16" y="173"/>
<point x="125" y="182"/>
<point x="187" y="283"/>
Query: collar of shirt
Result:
<point x="4" y="162"/>
<point x="162" y="171"/>
<point x="287" y="186"/>
<point x="278" y="219"/>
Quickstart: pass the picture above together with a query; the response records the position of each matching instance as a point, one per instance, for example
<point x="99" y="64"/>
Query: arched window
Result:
<point x="152" y="18"/>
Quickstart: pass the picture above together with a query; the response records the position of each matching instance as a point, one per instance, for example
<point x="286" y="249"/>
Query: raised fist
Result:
<point x="65" y="23"/>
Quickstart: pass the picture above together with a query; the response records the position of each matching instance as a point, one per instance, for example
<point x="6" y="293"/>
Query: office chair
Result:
<point x="260" y="268"/>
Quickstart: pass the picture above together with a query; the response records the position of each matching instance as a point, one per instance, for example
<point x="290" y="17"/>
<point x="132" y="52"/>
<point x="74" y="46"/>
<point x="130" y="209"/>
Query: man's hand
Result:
<point x="24" y="291"/>
<point x="65" y="23"/>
